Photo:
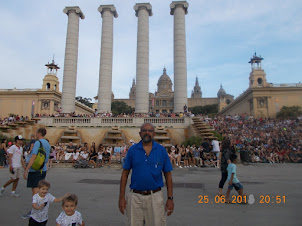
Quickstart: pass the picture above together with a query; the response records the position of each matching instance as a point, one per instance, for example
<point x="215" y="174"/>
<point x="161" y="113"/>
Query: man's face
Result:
<point x="147" y="133"/>
<point x="19" y="142"/>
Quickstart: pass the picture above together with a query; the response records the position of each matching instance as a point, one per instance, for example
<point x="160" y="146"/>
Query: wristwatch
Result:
<point x="171" y="197"/>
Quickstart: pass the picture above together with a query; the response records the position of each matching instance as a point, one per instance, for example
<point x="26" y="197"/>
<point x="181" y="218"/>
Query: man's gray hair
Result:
<point x="147" y="123"/>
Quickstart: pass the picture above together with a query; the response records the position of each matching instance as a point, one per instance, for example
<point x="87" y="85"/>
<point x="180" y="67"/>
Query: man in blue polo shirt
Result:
<point x="34" y="176"/>
<point x="148" y="160"/>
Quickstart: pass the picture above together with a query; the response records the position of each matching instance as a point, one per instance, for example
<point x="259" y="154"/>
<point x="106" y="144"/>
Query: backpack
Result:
<point x="40" y="158"/>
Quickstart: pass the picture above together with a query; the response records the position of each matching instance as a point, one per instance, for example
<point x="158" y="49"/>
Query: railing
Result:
<point x="72" y="120"/>
<point x="62" y="121"/>
<point x="164" y="120"/>
<point x="117" y="120"/>
<point x="286" y="85"/>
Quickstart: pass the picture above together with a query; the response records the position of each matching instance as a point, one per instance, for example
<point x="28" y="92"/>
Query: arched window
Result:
<point x="48" y="86"/>
<point x="259" y="80"/>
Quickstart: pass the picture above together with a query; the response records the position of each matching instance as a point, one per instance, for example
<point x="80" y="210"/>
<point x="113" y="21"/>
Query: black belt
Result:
<point x="146" y="192"/>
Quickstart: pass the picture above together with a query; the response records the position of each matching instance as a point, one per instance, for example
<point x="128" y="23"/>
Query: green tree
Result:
<point x="120" y="107"/>
<point x="193" y="140"/>
<point x="289" y="112"/>
<point x="205" y="110"/>
<point x="86" y="101"/>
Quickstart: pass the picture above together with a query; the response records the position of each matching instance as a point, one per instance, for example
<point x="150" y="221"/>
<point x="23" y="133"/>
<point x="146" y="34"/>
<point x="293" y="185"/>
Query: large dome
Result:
<point x="164" y="77"/>
<point x="164" y="85"/>
<point x="221" y="92"/>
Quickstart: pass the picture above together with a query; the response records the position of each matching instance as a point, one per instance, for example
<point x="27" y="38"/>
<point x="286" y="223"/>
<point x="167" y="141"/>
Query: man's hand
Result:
<point x="122" y="205"/>
<point x="169" y="207"/>
<point x="230" y="182"/>
<point x="25" y="174"/>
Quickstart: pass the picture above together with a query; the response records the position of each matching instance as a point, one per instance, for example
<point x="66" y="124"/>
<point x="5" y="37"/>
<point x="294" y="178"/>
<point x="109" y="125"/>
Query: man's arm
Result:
<point x="10" y="162"/>
<point x="123" y="183"/>
<point x="23" y="163"/>
<point x="170" y="203"/>
<point x="31" y="148"/>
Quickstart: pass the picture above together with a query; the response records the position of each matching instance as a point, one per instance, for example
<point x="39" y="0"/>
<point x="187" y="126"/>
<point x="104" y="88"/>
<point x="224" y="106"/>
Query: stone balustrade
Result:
<point x="105" y="122"/>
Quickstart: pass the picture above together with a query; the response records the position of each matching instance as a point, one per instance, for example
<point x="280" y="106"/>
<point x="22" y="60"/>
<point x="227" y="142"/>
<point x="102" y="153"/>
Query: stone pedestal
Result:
<point x="105" y="75"/>
<point x="142" y="11"/>
<point x="179" y="10"/>
<point x="71" y="59"/>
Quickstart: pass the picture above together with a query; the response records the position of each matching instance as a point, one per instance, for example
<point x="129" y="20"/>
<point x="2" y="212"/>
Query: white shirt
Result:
<point x="215" y="145"/>
<point x="41" y="215"/>
<point x="17" y="154"/>
<point x="100" y="156"/>
<point x="65" y="220"/>
<point x="85" y="155"/>
<point x="76" y="155"/>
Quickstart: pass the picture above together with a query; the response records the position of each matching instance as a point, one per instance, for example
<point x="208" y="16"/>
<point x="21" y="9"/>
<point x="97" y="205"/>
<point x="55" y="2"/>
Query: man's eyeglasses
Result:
<point x="147" y="130"/>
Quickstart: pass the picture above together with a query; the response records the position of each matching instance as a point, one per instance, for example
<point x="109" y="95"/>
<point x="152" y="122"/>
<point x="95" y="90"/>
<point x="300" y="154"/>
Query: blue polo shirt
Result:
<point x="147" y="170"/>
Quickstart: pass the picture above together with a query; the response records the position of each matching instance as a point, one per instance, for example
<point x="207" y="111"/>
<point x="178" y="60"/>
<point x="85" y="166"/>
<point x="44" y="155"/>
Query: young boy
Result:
<point x="232" y="179"/>
<point x="40" y="204"/>
<point x="70" y="216"/>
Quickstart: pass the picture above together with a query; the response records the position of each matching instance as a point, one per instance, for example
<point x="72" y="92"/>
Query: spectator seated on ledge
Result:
<point x="106" y="158"/>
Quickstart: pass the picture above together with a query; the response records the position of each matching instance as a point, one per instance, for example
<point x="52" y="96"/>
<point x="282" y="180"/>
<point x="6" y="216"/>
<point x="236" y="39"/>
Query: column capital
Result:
<point x="110" y="8"/>
<point x="176" y="4"/>
<point x="75" y="9"/>
<point x="146" y="6"/>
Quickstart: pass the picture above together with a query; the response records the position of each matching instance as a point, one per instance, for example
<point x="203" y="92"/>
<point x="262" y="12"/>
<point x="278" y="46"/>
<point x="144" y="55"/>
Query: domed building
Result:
<point x="162" y="100"/>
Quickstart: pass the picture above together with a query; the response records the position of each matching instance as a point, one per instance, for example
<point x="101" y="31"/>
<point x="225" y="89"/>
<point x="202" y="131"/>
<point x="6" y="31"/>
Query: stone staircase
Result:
<point x="71" y="135"/>
<point x="112" y="137"/>
<point x="24" y="128"/>
<point x="162" y="137"/>
<point x="203" y="129"/>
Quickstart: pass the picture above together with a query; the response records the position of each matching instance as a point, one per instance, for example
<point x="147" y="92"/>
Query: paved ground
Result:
<point x="98" y="191"/>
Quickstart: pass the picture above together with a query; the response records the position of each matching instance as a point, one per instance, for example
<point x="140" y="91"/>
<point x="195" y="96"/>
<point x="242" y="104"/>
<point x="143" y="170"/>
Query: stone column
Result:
<point x="179" y="9"/>
<point x="105" y="74"/>
<point x="71" y="59"/>
<point x="142" y="11"/>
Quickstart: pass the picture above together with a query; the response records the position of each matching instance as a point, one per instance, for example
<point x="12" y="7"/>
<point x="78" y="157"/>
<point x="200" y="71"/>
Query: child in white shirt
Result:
<point x="100" y="156"/>
<point x="70" y="216"/>
<point x="40" y="204"/>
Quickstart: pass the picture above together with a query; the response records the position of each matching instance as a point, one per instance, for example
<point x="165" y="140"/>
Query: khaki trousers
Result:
<point x="145" y="210"/>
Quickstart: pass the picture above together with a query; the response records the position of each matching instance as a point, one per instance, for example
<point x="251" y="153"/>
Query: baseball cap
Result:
<point x="19" y="137"/>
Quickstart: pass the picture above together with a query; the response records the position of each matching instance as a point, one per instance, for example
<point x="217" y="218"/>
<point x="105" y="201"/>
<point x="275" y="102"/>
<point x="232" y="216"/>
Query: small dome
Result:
<point x="221" y="92"/>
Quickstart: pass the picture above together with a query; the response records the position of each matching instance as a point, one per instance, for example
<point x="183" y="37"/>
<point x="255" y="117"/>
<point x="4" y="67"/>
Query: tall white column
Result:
<point x="179" y="9"/>
<point x="142" y="11"/>
<point x="71" y="59"/>
<point x="105" y="75"/>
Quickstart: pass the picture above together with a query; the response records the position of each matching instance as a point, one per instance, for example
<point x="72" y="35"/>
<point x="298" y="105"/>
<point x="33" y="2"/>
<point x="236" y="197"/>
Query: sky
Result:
<point x="221" y="37"/>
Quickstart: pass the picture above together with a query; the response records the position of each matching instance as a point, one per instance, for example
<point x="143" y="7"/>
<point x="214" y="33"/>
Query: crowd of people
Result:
<point x="264" y="140"/>
<point x="92" y="155"/>
<point x="122" y="115"/>
<point x="12" y="119"/>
